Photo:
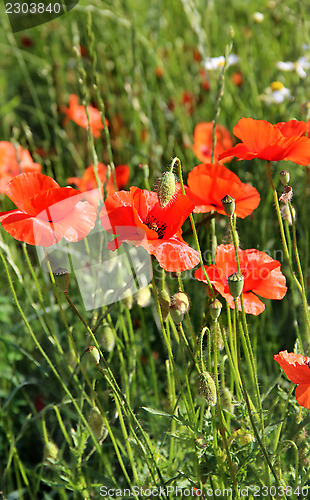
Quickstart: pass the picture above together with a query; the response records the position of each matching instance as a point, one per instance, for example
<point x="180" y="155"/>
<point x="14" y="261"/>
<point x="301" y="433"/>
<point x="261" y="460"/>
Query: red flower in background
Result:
<point x="208" y="183"/>
<point x="13" y="162"/>
<point x="203" y="141"/>
<point x="88" y="181"/>
<point x="137" y="218"/>
<point x="262" y="276"/>
<point x="45" y="212"/>
<point x="77" y="113"/>
<point x="297" y="369"/>
<point x="261" y="139"/>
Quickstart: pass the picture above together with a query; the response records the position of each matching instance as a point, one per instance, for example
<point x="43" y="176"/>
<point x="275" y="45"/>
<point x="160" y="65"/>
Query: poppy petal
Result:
<point x="173" y="254"/>
<point x="295" y="366"/>
<point x="22" y="188"/>
<point x="302" y="393"/>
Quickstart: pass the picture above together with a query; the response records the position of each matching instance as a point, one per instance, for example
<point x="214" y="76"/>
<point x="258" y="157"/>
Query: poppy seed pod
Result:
<point x="61" y="276"/>
<point x="215" y="309"/>
<point x="165" y="188"/>
<point x="235" y="284"/>
<point x="285" y="177"/>
<point x="228" y="205"/>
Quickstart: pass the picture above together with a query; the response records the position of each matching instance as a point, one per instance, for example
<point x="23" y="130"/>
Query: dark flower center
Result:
<point x="156" y="225"/>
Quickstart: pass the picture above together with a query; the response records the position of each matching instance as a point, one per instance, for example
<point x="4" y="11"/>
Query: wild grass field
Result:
<point x="175" y="390"/>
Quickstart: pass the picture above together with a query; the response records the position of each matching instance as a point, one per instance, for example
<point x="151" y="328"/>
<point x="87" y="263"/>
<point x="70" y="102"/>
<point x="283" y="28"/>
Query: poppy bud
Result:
<point x="165" y="188"/>
<point x="50" y="453"/>
<point x="95" y="422"/>
<point x="94" y="353"/>
<point x="177" y="316"/>
<point x="201" y="442"/>
<point x="227" y="400"/>
<point x="215" y="309"/>
<point x="286" y="214"/>
<point x="285" y="177"/>
<point x="235" y="284"/>
<point x="128" y="301"/>
<point x="107" y="338"/>
<point x="61" y="276"/>
<point x="143" y="296"/>
<point x="228" y="205"/>
<point x="164" y="300"/>
<point x="208" y="388"/>
<point x="180" y="302"/>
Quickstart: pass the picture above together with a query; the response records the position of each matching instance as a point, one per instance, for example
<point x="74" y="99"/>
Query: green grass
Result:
<point x="159" y="429"/>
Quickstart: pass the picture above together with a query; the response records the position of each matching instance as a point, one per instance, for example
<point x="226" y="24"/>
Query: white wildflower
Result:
<point x="276" y="93"/>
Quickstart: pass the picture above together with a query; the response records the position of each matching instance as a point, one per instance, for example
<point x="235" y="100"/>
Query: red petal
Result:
<point x="209" y="183"/>
<point x="256" y="134"/>
<point x="174" y="255"/>
<point x="22" y="188"/>
<point x="296" y="366"/>
<point x="302" y="393"/>
<point x="292" y="127"/>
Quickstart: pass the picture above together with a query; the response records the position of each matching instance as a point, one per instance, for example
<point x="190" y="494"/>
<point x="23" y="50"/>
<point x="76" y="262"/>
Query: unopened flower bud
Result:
<point x="128" y="301"/>
<point x="95" y="422"/>
<point x="208" y="388"/>
<point x="286" y="214"/>
<point x="284" y="177"/>
<point x="165" y="188"/>
<point x="177" y="316"/>
<point x="61" y="276"/>
<point x="107" y="338"/>
<point x="50" y="453"/>
<point x="143" y="296"/>
<point x="164" y="300"/>
<point x="235" y="284"/>
<point x="180" y="302"/>
<point x="228" y="205"/>
<point x="201" y="442"/>
<point x="258" y="17"/>
<point x="93" y="353"/>
<point x="215" y="309"/>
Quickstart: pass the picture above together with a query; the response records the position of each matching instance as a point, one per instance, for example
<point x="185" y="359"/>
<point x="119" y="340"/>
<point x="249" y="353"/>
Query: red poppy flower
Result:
<point x="261" y="139"/>
<point x="208" y="183"/>
<point x="262" y="276"/>
<point x="13" y="162"/>
<point x="88" y="181"/>
<point x="45" y="212"/>
<point x="297" y="369"/>
<point x="77" y="113"/>
<point x="137" y="218"/>
<point x="203" y="141"/>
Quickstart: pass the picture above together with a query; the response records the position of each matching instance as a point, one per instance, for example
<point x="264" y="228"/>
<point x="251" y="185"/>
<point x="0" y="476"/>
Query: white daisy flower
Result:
<point x="300" y="66"/>
<point x="215" y="63"/>
<point x="276" y="93"/>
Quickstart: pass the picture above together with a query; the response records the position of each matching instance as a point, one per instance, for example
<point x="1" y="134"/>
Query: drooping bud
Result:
<point x="128" y="301"/>
<point x="228" y="205"/>
<point x="177" y="316"/>
<point x="50" y="453"/>
<point x="285" y="177"/>
<point x="208" y="388"/>
<point x="215" y="309"/>
<point x="143" y="296"/>
<point x="165" y="188"/>
<point x="95" y="422"/>
<point x="180" y="302"/>
<point x="235" y="284"/>
<point x="107" y="338"/>
<point x="61" y="276"/>
<point x="164" y="301"/>
<point x="93" y="353"/>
